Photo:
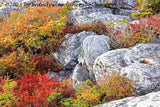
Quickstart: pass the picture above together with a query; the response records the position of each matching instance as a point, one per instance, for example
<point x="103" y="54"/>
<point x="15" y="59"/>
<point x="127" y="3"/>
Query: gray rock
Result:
<point x="53" y="74"/>
<point x="77" y="3"/>
<point x="121" y="3"/>
<point x="37" y="2"/>
<point x="67" y="54"/>
<point x="85" y="11"/>
<point x="78" y="20"/>
<point x="97" y="16"/>
<point x="125" y="12"/>
<point x="28" y="2"/>
<point x="81" y="48"/>
<point x="91" y="48"/>
<point x="146" y="75"/>
<point x="139" y="62"/>
<point x="106" y="18"/>
<point x="9" y="2"/>
<point x="64" y="74"/>
<point x="81" y="2"/>
<point x="5" y="10"/>
<point x="149" y="100"/>
<point x="118" y="9"/>
<point x="79" y="74"/>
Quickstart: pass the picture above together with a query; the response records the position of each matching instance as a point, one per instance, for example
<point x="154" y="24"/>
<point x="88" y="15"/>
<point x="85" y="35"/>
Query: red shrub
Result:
<point x="148" y="26"/>
<point x="145" y="30"/>
<point x="45" y="63"/>
<point x="33" y="90"/>
<point x="96" y="26"/>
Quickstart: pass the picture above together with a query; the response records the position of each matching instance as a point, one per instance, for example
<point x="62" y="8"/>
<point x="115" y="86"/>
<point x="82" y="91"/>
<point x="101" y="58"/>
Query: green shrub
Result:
<point x="146" y="8"/>
<point x="69" y="102"/>
<point x="6" y="92"/>
<point x="90" y="94"/>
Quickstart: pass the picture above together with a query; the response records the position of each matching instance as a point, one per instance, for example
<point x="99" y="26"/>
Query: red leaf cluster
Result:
<point x="33" y="90"/>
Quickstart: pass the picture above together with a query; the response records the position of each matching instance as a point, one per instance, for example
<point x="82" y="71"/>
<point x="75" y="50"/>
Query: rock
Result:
<point x="149" y="100"/>
<point x="121" y="3"/>
<point x="67" y="54"/>
<point x="85" y="11"/>
<point x="140" y="62"/>
<point x="53" y="74"/>
<point x="37" y="2"/>
<point x="9" y="2"/>
<point x="97" y="16"/>
<point x="81" y="48"/>
<point x="28" y="2"/>
<point x="106" y="18"/>
<point x="146" y="74"/>
<point x="77" y="3"/>
<point x="64" y="74"/>
<point x="79" y="74"/>
<point x="125" y="12"/>
<point x="5" y="10"/>
<point x="81" y="2"/>
<point x="117" y="10"/>
<point x="91" y="48"/>
<point x="78" y="20"/>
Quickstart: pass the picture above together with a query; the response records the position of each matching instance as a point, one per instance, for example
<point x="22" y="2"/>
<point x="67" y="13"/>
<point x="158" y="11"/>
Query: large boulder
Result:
<point x="146" y="74"/>
<point x="149" y="100"/>
<point x="140" y="63"/>
<point x="67" y="54"/>
<point x="91" y="48"/>
<point x="78" y="52"/>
